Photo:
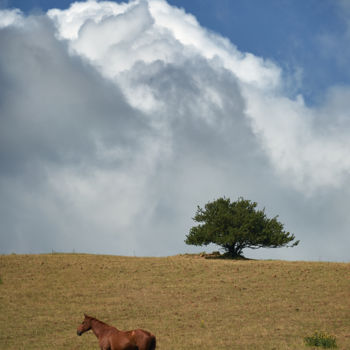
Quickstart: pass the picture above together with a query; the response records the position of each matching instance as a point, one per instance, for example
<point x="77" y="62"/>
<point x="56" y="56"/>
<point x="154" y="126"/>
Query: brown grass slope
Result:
<point x="188" y="302"/>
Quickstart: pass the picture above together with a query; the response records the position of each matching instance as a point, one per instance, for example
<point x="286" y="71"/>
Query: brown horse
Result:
<point x="110" y="338"/>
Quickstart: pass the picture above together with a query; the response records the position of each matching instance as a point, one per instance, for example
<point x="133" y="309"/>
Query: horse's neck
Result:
<point x="98" y="327"/>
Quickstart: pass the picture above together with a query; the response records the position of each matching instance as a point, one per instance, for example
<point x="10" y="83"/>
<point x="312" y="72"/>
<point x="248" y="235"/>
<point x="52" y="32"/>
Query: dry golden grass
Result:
<point x="186" y="301"/>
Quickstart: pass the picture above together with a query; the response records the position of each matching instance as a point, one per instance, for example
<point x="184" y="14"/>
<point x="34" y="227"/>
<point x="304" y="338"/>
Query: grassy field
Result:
<point x="188" y="302"/>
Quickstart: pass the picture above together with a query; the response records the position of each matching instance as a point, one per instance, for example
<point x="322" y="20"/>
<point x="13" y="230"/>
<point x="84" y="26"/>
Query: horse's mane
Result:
<point x="95" y="319"/>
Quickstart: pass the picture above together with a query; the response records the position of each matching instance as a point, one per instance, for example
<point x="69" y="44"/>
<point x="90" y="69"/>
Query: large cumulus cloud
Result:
<point x="116" y="120"/>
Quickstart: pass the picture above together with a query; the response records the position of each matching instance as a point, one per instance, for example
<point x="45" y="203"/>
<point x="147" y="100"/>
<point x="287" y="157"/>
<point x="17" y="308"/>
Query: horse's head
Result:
<point x="85" y="325"/>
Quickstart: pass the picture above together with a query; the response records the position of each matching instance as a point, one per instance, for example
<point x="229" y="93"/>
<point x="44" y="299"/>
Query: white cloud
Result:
<point x="136" y="114"/>
<point x="10" y="17"/>
<point x="306" y="146"/>
<point x="70" y="22"/>
<point x="154" y="30"/>
<point x="149" y="31"/>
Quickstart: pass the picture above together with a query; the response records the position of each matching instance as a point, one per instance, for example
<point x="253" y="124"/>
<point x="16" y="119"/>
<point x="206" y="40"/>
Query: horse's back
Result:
<point x="120" y="341"/>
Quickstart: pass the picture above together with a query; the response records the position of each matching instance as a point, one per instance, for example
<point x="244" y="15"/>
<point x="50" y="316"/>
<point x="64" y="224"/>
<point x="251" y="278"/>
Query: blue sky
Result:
<point x="117" y="120"/>
<point x="290" y="32"/>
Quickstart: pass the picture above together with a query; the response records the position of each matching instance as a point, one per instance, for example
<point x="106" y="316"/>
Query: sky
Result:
<point x="118" y="119"/>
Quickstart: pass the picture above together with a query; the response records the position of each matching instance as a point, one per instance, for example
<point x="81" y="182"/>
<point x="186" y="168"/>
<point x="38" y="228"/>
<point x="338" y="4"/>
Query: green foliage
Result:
<point x="1" y="282"/>
<point x="237" y="225"/>
<point x="321" y="339"/>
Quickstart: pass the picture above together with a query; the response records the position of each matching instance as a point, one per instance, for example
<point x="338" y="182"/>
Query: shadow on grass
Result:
<point x="225" y="256"/>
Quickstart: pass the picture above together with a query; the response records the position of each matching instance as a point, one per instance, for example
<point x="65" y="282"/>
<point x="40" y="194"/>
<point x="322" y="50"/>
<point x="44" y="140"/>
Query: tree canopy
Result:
<point x="237" y="225"/>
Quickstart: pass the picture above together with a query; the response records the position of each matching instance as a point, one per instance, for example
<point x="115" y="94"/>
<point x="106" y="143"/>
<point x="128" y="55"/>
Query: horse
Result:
<point x="111" y="338"/>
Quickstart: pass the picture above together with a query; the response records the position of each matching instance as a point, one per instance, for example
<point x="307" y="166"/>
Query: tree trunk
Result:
<point x="234" y="251"/>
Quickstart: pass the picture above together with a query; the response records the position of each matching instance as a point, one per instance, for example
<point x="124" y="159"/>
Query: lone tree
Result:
<point x="237" y="225"/>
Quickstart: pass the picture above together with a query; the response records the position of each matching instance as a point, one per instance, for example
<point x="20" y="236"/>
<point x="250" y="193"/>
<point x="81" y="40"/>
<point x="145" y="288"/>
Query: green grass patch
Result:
<point x="321" y="339"/>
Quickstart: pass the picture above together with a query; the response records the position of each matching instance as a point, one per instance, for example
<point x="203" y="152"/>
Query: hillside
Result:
<point x="186" y="301"/>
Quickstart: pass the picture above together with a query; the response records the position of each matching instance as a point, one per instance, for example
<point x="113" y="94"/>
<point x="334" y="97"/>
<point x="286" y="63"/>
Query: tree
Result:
<point x="237" y="225"/>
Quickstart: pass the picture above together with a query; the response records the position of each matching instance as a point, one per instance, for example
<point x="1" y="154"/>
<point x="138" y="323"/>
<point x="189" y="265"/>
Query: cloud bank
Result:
<point x="117" y="120"/>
